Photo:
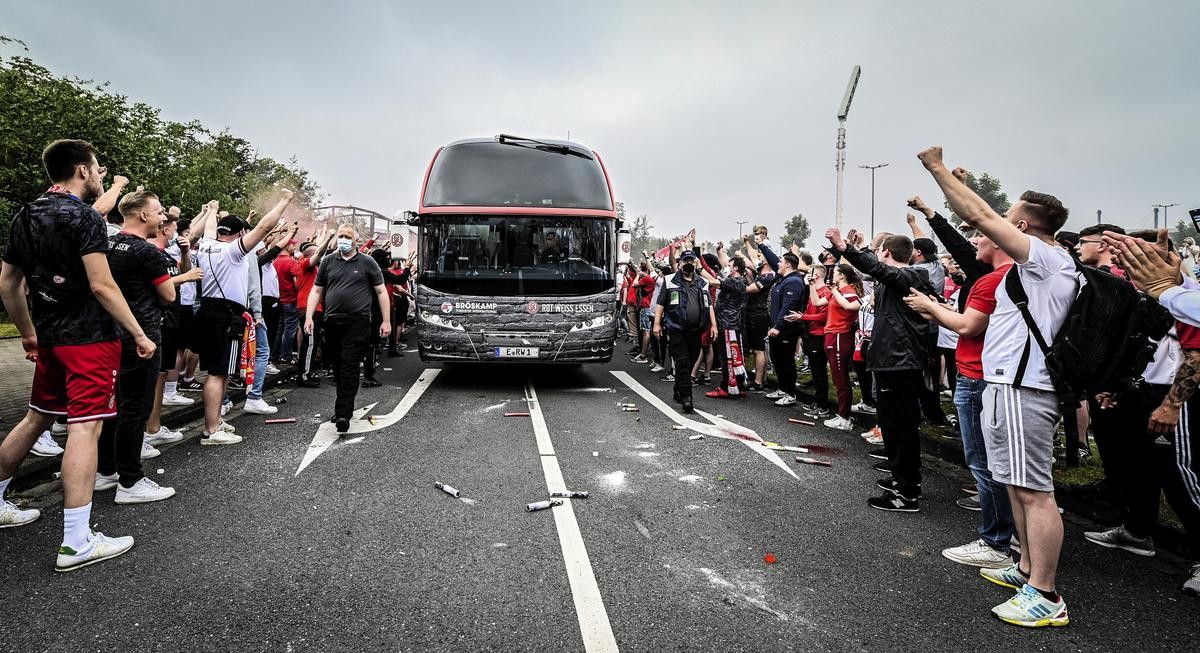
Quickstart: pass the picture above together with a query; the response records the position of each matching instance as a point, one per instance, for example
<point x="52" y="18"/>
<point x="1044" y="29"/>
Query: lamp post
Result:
<point x="873" y="169"/>
<point x="1166" y="223"/>
<point x="843" y="112"/>
<point x="740" y="223"/>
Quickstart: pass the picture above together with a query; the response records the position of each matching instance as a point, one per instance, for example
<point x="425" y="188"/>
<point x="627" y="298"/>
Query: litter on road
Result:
<point x="447" y="489"/>
<point x="569" y="495"/>
<point x="779" y="447"/>
<point x="813" y="461"/>
<point x="280" y="420"/>
<point x="631" y="409"/>
<point x="541" y="505"/>
<point x="695" y="437"/>
<point x="770" y="559"/>
<point x="793" y="420"/>
<point x="678" y="427"/>
<point x="516" y="414"/>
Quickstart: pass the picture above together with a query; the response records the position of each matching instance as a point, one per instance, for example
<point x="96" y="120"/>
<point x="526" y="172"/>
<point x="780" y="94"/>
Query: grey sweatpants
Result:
<point x="1018" y="431"/>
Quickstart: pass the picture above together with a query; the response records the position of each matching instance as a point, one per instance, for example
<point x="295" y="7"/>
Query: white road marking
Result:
<point x="589" y="605"/>
<point x="327" y="432"/>
<point x="720" y="427"/>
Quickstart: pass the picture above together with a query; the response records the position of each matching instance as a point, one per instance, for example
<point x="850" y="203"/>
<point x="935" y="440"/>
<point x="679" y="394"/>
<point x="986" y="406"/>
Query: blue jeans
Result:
<point x="287" y="340"/>
<point x="995" y="519"/>
<point x="262" y="355"/>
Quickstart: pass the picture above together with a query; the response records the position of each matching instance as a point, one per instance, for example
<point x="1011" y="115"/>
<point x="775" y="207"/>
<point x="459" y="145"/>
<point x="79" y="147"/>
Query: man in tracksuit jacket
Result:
<point x="899" y="349"/>
<point x="787" y="295"/>
<point x="685" y="310"/>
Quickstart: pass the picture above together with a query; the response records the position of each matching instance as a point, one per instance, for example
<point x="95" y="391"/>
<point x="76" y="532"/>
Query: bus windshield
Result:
<point x="512" y="174"/>
<point x="517" y="255"/>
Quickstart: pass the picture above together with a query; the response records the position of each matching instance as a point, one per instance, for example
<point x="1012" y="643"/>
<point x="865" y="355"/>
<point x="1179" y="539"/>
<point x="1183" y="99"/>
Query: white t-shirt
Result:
<point x="1167" y="357"/>
<point x="1051" y="283"/>
<point x="270" y="278"/>
<point x="948" y="339"/>
<point x="187" y="291"/>
<point x="225" y="268"/>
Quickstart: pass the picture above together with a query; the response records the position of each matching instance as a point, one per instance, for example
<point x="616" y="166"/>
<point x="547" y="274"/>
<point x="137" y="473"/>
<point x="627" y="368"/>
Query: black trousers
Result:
<point x="866" y="381"/>
<point x="951" y="364"/>
<point x="346" y="338"/>
<point x="930" y="398"/>
<point x="783" y="358"/>
<point x="308" y="346"/>
<point x="121" y="438"/>
<point x="685" y="351"/>
<point x="371" y="354"/>
<point x="898" y="401"/>
<point x="818" y="366"/>
<point x="273" y="316"/>
<point x="1128" y="453"/>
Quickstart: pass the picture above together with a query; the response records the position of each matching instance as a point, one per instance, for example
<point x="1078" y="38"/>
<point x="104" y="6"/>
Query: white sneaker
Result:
<point x="840" y="423"/>
<point x="1190" y="586"/>
<point x="271" y="369"/>
<point x="149" y="451"/>
<point x="1032" y="610"/>
<point x="640" y="359"/>
<point x="656" y="368"/>
<point x="144" y="491"/>
<point x="100" y="548"/>
<point x="778" y="394"/>
<point x="867" y="434"/>
<point x="259" y="407"/>
<point x="225" y="407"/>
<point x="220" y="437"/>
<point x="58" y="429"/>
<point x="226" y="427"/>
<point x="177" y="400"/>
<point x="45" y="446"/>
<point x="104" y="482"/>
<point x="863" y="408"/>
<point x="977" y="554"/>
<point x="163" y="436"/>
<point x="875" y="440"/>
<point x="786" y="400"/>
<point x="1119" y="538"/>
<point x="11" y="516"/>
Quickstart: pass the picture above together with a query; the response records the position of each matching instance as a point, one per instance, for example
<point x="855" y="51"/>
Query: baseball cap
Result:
<point x="927" y="247"/>
<point x="231" y="224"/>
<point x="687" y="254"/>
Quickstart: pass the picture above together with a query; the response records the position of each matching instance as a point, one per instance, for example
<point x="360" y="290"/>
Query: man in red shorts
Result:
<point x="58" y="245"/>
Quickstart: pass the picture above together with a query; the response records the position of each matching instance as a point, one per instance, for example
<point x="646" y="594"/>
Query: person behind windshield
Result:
<point x="553" y="253"/>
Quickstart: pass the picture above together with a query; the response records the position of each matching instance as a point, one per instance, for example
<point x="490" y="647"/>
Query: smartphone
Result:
<point x="1195" y="215"/>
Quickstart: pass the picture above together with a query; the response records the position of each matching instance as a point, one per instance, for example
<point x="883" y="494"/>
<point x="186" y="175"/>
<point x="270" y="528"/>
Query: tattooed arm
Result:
<point x="1187" y="380"/>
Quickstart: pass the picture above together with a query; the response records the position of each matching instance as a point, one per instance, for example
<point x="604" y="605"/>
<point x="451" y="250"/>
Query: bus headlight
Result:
<point x="592" y="323"/>
<point x="438" y="320"/>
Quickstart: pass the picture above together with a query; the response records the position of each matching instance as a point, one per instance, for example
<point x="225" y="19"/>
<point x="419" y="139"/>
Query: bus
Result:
<point x="519" y="251"/>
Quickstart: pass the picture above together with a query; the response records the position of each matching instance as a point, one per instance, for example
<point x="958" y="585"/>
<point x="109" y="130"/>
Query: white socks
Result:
<point x="3" y="488"/>
<point x="171" y="388"/>
<point x="77" y="530"/>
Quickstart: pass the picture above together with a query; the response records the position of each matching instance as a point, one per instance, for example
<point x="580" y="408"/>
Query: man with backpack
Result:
<point x="1021" y="404"/>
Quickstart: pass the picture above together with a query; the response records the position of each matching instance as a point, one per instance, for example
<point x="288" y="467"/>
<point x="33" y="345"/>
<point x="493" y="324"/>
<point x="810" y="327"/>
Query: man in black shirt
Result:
<point x="346" y="282"/>
<point x="685" y="310"/>
<point x="142" y="273"/>
<point x="58" y="245"/>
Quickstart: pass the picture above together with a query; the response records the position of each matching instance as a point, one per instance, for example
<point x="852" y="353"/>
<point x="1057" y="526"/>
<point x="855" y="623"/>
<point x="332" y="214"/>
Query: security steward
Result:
<point x="345" y="282"/>
<point x="684" y="311"/>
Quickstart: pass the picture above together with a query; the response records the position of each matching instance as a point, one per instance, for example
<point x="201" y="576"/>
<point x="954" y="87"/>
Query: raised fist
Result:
<point x="285" y="195"/>
<point x="118" y="180"/>
<point x="960" y="173"/>
<point x="931" y="157"/>
<point x="910" y="218"/>
<point x="915" y="202"/>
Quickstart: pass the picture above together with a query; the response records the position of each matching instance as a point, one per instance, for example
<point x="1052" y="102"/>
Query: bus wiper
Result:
<point x="507" y="139"/>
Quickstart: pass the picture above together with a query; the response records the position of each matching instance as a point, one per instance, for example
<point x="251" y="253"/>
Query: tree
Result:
<point x="987" y="187"/>
<point x="1185" y="229"/>
<point x="643" y="239"/>
<point x="796" y="230"/>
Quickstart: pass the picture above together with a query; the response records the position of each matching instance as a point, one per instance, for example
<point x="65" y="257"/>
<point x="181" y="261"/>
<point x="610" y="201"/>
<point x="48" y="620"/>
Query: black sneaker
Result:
<point x="1084" y="453"/>
<point x="700" y="380"/>
<point x="327" y="374"/>
<point x="302" y="382"/>
<point x="753" y="387"/>
<point x="371" y="383"/>
<point x="669" y="377"/>
<point x="687" y="405"/>
<point x="191" y="385"/>
<point x="893" y="503"/>
<point x="889" y="484"/>
<point x="878" y="453"/>
<point x="342" y="424"/>
<point x="817" y="412"/>
<point x="882" y="466"/>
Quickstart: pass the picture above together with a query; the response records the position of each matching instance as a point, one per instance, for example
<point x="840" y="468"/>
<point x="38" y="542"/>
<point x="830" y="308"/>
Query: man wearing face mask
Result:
<point x="685" y="310"/>
<point x="345" y="283"/>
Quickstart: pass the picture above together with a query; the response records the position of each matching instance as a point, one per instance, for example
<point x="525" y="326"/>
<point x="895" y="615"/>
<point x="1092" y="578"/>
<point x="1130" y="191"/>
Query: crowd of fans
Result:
<point x="120" y="304"/>
<point x="886" y="314"/>
<point x="121" y="314"/>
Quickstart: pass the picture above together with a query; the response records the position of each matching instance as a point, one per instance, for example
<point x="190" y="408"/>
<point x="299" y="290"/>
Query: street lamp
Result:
<point x="740" y="223"/>
<point x="1164" y="207"/>
<point x="873" y="169"/>
<point x="843" y="111"/>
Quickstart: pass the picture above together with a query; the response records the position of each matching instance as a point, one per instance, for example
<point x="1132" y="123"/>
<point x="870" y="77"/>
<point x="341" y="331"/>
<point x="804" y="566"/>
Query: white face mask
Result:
<point x="345" y="245"/>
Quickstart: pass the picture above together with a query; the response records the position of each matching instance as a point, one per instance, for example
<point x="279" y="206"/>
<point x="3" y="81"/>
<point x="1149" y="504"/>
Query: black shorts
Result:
<point x="185" y="333"/>
<point x="169" y="348"/>
<point x="217" y="340"/>
<point x="756" y="332"/>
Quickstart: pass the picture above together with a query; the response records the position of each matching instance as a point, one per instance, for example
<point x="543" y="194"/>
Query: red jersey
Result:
<point x="645" y="289"/>
<point x="842" y="320"/>
<point x="969" y="354"/>
<point x="285" y="267"/>
<point x="816" y="316"/>
<point x="306" y="276"/>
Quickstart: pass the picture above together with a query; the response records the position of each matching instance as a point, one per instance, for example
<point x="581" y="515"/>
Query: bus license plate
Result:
<point x="516" y="352"/>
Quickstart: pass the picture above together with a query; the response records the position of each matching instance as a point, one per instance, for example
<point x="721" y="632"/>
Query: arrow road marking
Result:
<point x="327" y="432"/>
<point x="720" y="428"/>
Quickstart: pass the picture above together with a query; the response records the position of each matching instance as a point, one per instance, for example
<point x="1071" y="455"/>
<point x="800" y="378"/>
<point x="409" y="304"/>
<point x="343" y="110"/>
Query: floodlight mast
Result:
<point x="843" y="111"/>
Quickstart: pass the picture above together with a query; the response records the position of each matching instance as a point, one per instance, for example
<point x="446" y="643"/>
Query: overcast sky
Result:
<point x="705" y="113"/>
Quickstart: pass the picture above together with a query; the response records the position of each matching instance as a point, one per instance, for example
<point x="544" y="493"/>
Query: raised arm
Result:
<point x="917" y="231"/>
<point x="108" y="200"/>
<point x="865" y="262"/>
<point x="973" y="210"/>
<point x="267" y="223"/>
<point x="959" y="247"/>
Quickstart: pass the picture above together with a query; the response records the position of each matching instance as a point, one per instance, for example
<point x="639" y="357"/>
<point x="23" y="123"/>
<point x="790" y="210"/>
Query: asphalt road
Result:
<point x="359" y="551"/>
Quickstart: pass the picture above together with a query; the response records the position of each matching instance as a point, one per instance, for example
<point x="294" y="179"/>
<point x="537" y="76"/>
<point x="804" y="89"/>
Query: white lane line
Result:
<point x="720" y="428"/>
<point x="327" y="433"/>
<point x="589" y="605"/>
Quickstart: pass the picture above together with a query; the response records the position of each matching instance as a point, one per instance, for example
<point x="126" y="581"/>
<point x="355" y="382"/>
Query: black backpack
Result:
<point x="1105" y="343"/>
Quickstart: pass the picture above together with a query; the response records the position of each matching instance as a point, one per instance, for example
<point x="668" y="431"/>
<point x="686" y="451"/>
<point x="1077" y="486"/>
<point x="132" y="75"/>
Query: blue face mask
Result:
<point x="345" y="245"/>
